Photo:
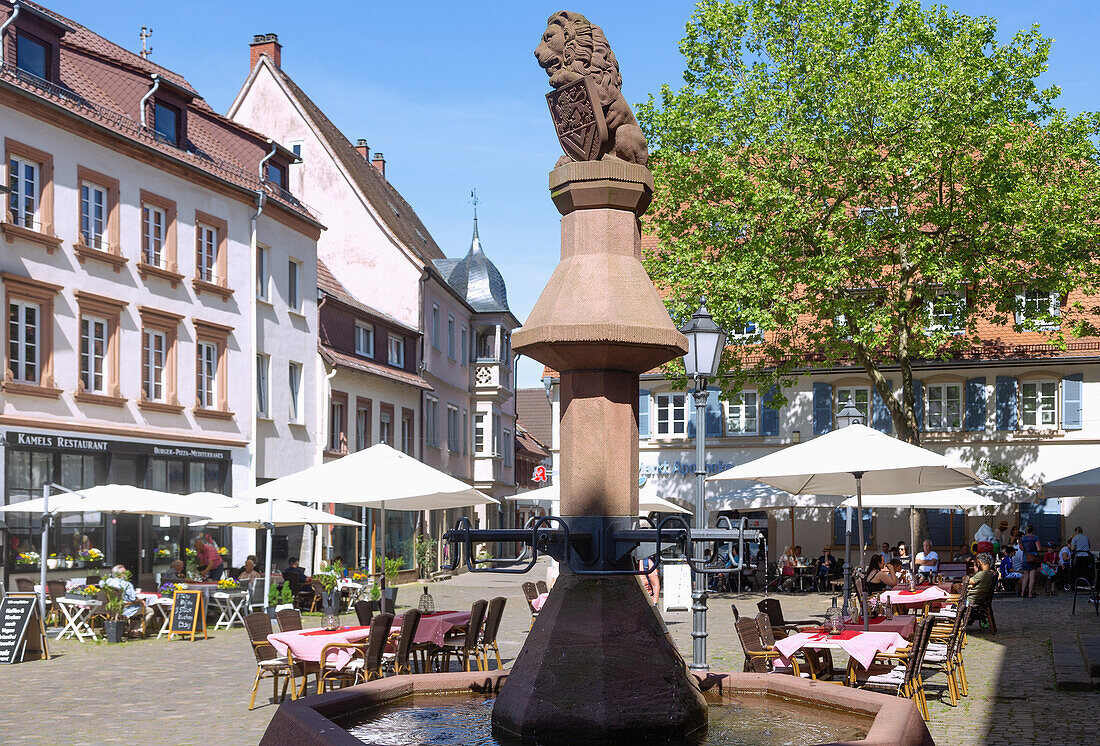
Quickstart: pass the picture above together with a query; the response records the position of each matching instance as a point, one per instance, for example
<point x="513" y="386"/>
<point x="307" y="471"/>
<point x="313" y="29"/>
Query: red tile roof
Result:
<point x="534" y="411"/>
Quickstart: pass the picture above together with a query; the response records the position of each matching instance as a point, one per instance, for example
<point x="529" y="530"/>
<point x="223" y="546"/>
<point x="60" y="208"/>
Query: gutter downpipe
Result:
<point x="326" y="395"/>
<point x="3" y="50"/>
<point x="422" y="367"/>
<point x="261" y="197"/>
<point x="146" y="97"/>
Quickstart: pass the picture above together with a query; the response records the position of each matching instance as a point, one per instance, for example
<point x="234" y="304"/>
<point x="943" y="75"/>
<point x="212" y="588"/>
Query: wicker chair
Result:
<point x="376" y="644"/>
<point x="318" y="592"/>
<point x="24" y="585"/>
<point x="269" y="664"/>
<point x="363" y="612"/>
<point x="289" y="620"/>
<point x="736" y="613"/>
<point x="774" y="610"/>
<point x="464" y="646"/>
<point x="944" y="653"/>
<point x="541" y="587"/>
<point x="818" y="662"/>
<point x="899" y="673"/>
<point x="489" y="634"/>
<point x="758" y="657"/>
<point x="398" y="660"/>
<point x="531" y="592"/>
<point x="56" y="590"/>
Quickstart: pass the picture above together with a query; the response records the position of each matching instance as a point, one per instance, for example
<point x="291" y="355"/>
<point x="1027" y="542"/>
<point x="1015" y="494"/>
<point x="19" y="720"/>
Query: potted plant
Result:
<point x="114" y="625"/>
<point x="280" y="597"/>
<point x="77" y="589"/>
<point x="67" y="563"/>
<point x="52" y="561"/>
<point x="375" y="598"/>
<point x="424" y="554"/>
<point x="391" y="568"/>
<point x="92" y="557"/>
<point x="27" y="561"/>
<point x="329" y="580"/>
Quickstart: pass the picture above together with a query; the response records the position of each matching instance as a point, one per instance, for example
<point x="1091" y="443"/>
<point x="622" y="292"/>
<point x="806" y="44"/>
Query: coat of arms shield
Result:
<point x="578" y="119"/>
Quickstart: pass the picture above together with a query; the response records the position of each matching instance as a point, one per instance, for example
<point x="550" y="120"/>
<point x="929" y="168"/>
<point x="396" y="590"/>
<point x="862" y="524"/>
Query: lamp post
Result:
<point x="706" y="340"/>
<point x="849" y="414"/>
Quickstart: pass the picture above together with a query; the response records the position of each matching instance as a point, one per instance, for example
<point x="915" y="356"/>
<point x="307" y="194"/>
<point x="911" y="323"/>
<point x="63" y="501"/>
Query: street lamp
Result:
<point x="849" y="414"/>
<point x="706" y="340"/>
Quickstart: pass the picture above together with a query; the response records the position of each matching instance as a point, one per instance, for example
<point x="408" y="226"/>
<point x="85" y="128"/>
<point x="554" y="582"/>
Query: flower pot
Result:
<point x="68" y="564"/>
<point x="51" y="563"/>
<point x="113" y="630"/>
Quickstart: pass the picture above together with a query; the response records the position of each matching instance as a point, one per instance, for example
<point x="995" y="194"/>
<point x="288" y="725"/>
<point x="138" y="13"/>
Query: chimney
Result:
<point x="379" y="162"/>
<point x="265" y="44"/>
<point x="363" y="149"/>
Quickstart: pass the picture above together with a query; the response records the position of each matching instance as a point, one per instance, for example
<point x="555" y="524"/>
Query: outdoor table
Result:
<point x="801" y="572"/>
<point x="861" y="647"/>
<point x="231" y="605"/>
<point x="538" y="601"/>
<point x="162" y="606"/>
<point x="907" y="598"/>
<point x="306" y="644"/>
<point x="434" y="627"/>
<point x="78" y="612"/>
<point x="902" y="624"/>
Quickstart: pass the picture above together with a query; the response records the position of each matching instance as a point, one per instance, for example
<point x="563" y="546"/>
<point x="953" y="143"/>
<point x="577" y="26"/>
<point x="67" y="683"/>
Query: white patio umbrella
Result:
<point x="646" y="504"/>
<point x="278" y="513"/>
<point x="943" y="499"/>
<point x="855" y="459"/>
<point x="1082" y="484"/>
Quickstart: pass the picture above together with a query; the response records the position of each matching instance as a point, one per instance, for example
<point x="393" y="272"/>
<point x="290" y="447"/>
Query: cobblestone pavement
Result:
<point x="197" y="693"/>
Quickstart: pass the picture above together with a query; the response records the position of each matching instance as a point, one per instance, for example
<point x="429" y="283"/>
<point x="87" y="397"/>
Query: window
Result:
<point x="946" y="528"/>
<point x="385" y="424"/>
<point x="364" y="339"/>
<point x="496" y="435"/>
<point x="93" y="354"/>
<point x="154" y="222"/>
<point x="947" y="313"/>
<point x="431" y="418"/>
<point x="1039" y="401"/>
<point x="840" y="522"/>
<point x="206" y="381"/>
<point x="33" y="56"/>
<point x="263" y="275"/>
<point x="294" y="371"/>
<point x="1038" y="309"/>
<point x="362" y="424"/>
<point x="742" y="413"/>
<point x="336" y="439"/>
<point x="154" y="356"/>
<point x="263" y="363"/>
<point x="296" y="148"/>
<point x="464" y="351"/>
<point x="166" y="122"/>
<point x="397" y="351"/>
<point x="24" y="332"/>
<point x="207" y="252"/>
<point x="671" y="414"/>
<point x="293" y="282"/>
<point x="465" y="431"/>
<point x="452" y="429"/>
<point x="944" y="406"/>
<point x="24" y="182"/>
<point x="509" y="442"/>
<point x="276" y="175"/>
<point x="435" y="326"/>
<point x="450" y="336"/>
<point x="93" y="215"/>
<point x="479" y="432"/>
<point x="860" y="396"/>
<point x="743" y="332"/>
<point x="407" y="419"/>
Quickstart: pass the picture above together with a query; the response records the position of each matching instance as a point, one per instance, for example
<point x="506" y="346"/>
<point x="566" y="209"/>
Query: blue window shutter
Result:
<point x="823" y="408"/>
<point x="769" y="418"/>
<point x="714" y="413"/>
<point x="918" y="403"/>
<point x="1006" y="403"/>
<point x="643" y="414"/>
<point x="880" y="415"/>
<point x="1072" y="390"/>
<point x="975" y="405"/>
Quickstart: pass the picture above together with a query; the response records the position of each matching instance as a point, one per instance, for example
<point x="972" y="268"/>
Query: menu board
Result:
<point x="22" y="635"/>
<point x="188" y="614"/>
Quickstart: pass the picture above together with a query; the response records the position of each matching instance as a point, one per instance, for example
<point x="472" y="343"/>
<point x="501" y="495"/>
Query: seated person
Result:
<point x="928" y="561"/>
<point x="881" y="576"/>
<point x="175" y="573"/>
<point x="294" y="571"/>
<point x="250" y="572"/>
<point x="980" y="585"/>
<point x="827" y="568"/>
<point x="119" y="580"/>
<point x="1007" y="567"/>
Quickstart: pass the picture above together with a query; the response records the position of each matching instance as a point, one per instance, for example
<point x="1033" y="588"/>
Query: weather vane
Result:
<point x="145" y="34"/>
<point x="474" y="201"/>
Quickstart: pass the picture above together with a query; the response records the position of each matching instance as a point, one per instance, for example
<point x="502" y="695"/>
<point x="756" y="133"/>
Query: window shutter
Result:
<point x="769" y="418"/>
<point x="918" y="403"/>
<point x="975" y="405"/>
<point x="1006" y="403"/>
<point x="714" y="413"/>
<point x="823" y="408"/>
<point x="643" y="414"/>
<point x="880" y="415"/>
<point x="1072" y="391"/>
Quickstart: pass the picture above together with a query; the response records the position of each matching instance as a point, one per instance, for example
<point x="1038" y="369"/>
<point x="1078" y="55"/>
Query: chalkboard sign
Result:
<point x="188" y="614"/>
<point x="22" y="634"/>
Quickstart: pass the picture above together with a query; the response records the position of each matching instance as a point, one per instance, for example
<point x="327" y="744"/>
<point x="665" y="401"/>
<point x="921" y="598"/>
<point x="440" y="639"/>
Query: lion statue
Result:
<point x="573" y="47"/>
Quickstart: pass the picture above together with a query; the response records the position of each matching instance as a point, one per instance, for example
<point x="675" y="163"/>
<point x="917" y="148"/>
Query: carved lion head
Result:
<point x="573" y="47"/>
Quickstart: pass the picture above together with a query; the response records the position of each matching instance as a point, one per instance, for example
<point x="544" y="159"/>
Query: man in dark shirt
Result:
<point x="293" y="570"/>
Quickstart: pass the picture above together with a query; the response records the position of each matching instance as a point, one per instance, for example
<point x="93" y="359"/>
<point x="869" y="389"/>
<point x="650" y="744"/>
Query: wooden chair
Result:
<point x="289" y="620"/>
<point x="489" y="634"/>
<point x="465" y="645"/>
<point x="758" y="657"/>
<point x="363" y="612"/>
<point x="269" y="664"/>
<point x="531" y="592"/>
<point x="899" y="673"/>
<point x="318" y="592"/>
<point x="398" y="660"/>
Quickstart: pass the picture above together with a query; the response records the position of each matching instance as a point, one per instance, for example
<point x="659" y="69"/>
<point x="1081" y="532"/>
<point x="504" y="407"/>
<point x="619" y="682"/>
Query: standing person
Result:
<point x="1030" y="562"/>
<point x="1065" y="562"/>
<point x="1082" y="554"/>
<point x="928" y="561"/>
<point x="651" y="581"/>
<point x="211" y="565"/>
<point x="1000" y="534"/>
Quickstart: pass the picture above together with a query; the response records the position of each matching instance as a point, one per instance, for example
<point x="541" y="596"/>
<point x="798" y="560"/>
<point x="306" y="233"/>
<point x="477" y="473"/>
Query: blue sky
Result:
<point x="451" y="93"/>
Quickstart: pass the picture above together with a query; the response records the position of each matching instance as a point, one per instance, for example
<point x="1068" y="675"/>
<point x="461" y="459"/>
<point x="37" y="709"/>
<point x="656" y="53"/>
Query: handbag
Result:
<point x="1031" y="558"/>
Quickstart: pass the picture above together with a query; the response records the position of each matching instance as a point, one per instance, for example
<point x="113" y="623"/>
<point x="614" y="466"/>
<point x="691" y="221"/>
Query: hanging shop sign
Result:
<point x="84" y="444"/>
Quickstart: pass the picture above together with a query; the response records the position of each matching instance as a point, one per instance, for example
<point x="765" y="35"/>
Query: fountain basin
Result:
<point x="314" y="720"/>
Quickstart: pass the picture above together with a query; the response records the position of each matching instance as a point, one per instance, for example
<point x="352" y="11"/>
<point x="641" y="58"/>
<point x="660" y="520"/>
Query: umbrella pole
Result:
<point x="792" y="527"/>
<point x="363" y="537"/>
<point x="382" y="542"/>
<point x="267" y="556"/>
<point x="44" y="553"/>
<point x="847" y="558"/>
<point x="862" y="542"/>
<point x="912" y="549"/>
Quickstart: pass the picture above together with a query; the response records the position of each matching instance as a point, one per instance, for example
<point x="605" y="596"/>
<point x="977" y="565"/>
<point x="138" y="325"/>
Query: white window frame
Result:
<point x="154" y="225"/>
<point x="497" y="436"/>
<point x="25" y="340"/>
<point x="939" y="396"/>
<point x="480" y="441"/>
<point x="939" y="322"/>
<point x="670" y="415"/>
<point x="509" y="441"/>
<point x="94" y="332"/>
<point x="385" y="427"/>
<point x="864" y="406"/>
<point x="263" y="272"/>
<point x="206" y="259"/>
<point x="206" y="374"/>
<point x="397" y="351"/>
<point x="263" y="390"/>
<point x="93" y="215"/>
<point x="453" y="439"/>
<point x="1024" y="304"/>
<point x="431" y="420"/>
<point x="294" y="285"/>
<point x="465" y="431"/>
<point x="406" y="436"/>
<point x="364" y="333"/>
<point x="154" y="360"/>
<point x="362" y="428"/>
<point x="743" y="414"/>
<point x="294" y="384"/>
<point x="25" y="198"/>
<point x="1042" y="402"/>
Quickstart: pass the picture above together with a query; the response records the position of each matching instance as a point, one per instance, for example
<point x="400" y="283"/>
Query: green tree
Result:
<point x="866" y="180"/>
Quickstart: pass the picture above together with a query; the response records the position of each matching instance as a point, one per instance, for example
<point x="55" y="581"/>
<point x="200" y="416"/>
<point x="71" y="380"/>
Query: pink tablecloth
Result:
<point x="433" y="628"/>
<point x="901" y="624"/>
<point x="306" y="644"/>
<point x="921" y="597"/>
<point x="862" y="646"/>
<point x="538" y="601"/>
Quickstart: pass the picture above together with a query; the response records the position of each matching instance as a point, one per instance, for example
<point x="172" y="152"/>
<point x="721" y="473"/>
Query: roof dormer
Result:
<point x="32" y="44"/>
